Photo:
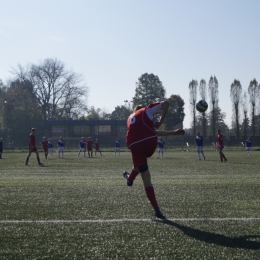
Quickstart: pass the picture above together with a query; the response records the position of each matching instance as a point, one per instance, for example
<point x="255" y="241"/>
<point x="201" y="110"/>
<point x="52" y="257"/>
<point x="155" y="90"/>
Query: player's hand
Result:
<point x="180" y="132"/>
<point x="157" y="124"/>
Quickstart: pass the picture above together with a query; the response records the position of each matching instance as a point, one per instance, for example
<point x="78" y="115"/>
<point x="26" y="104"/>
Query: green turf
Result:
<point x="81" y="208"/>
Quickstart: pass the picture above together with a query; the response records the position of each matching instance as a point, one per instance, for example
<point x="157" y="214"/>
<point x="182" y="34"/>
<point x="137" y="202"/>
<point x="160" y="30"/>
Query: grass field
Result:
<point x="81" y="208"/>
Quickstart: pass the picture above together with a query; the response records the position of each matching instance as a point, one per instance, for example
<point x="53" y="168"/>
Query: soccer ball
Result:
<point x="202" y="106"/>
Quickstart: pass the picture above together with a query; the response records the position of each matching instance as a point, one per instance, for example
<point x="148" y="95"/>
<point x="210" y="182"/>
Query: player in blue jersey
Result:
<point x="248" y="145"/>
<point x="50" y="147"/>
<point x="199" y="145"/>
<point x="61" y="145"/>
<point x="117" y="147"/>
<point x="82" y="146"/>
<point x="161" y="144"/>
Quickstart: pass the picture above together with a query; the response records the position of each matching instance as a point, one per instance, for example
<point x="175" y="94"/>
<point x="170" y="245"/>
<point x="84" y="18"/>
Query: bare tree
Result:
<point x="253" y="91"/>
<point x="203" y="95"/>
<point x="213" y="93"/>
<point x="193" y="99"/>
<point x="245" y="110"/>
<point x="235" y="94"/>
<point x="58" y="91"/>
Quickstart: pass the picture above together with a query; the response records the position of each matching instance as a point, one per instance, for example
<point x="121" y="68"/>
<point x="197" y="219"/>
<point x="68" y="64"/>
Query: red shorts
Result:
<point x="32" y="149"/>
<point x="143" y="150"/>
<point x="89" y="149"/>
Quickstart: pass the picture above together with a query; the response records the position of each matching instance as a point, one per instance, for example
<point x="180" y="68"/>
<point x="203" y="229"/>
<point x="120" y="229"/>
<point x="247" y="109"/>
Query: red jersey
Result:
<point x="220" y="140"/>
<point x="45" y="144"/>
<point x="89" y="144"/>
<point x="140" y="124"/>
<point x="96" y="145"/>
<point x="31" y="140"/>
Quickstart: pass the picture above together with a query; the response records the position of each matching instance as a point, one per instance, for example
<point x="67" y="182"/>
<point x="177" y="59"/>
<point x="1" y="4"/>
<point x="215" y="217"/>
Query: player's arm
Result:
<point x="165" y="106"/>
<point x="171" y="132"/>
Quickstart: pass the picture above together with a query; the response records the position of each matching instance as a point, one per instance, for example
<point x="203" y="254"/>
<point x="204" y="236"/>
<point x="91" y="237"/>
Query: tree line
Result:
<point x="46" y="90"/>
<point x="243" y="123"/>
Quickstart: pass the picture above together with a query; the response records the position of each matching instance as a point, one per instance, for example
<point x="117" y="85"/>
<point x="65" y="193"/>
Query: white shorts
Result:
<point x="50" y="149"/>
<point x="160" y="149"/>
<point x="248" y="148"/>
<point x="117" y="149"/>
<point x="82" y="149"/>
<point x="199" y="148"/>
<point x="61" y="149"/>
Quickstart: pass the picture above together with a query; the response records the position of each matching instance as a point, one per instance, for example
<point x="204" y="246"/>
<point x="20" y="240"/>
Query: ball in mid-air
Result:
<point x="202" y="106"/>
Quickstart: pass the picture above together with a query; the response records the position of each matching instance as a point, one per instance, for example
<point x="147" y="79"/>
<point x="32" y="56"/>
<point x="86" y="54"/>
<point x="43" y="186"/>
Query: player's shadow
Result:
<point x="218" y="239"/>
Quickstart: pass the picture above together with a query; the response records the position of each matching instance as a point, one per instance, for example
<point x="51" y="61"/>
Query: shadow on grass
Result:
<point x="218" y="239"/>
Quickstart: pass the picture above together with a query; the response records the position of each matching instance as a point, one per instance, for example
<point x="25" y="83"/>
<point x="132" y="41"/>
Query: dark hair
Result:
<point x="138" y="107"/>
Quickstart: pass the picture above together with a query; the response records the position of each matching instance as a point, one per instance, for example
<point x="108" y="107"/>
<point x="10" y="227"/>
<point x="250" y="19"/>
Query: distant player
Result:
<point x="50" y="147"/>
<point x="97" y="147"/>
<point x="161" y="144"/>
<point x="199" y="145"/>
<point x="82" y="146"/>
<point x="32" y="148"/>
<point x="1" y="147"/>
<point x="248" y="145"/>
<point x="90" y="147"/>
<point x="117" y="147"/>
<point x="220" y="146"/>
<point x="61" y="146"/>
<point x="45" y="147"/>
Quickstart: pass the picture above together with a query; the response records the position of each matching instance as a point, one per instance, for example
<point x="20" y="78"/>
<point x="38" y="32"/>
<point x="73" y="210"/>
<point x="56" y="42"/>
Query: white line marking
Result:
<point x="120" y="220"/>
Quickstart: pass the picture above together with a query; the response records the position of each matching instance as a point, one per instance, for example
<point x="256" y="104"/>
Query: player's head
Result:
<point x="89" y="138"/>
<point x="248" y="137"/>
<point x="43" y="138"/>
<point x="1" y="139"/>
<point x="198" y="133"/>
<point x="138" y="107"/>
<point x="219" y="131"/>
<point x="33" y="129"/>
<point x="61" y="138"/>
<point x="50" y="140"/>
<point x="82" y="138"/>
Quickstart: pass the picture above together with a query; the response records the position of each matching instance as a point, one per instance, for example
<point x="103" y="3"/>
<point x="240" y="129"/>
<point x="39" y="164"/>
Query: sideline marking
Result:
<point x="121" y="220"/>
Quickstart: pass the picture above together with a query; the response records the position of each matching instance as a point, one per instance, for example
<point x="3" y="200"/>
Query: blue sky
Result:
<point x="113" y="42"/>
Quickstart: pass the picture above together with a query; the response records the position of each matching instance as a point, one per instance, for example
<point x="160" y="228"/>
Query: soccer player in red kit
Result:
<point x="141" y="139"/>
<point x="220" y="146"/>
<point x="45" y="147"/>
<point x="32" y="148"/>
<point x="97" y="147"/>
<point x="89" y="147"/>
